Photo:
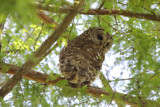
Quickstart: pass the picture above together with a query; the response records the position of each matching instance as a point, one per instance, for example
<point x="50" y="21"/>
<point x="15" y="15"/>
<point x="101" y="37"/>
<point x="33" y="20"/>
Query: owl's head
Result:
<point x="96" y="34"/>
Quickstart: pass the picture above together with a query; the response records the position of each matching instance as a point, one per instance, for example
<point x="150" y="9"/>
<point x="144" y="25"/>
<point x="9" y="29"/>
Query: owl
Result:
<point x="81" y="60"/>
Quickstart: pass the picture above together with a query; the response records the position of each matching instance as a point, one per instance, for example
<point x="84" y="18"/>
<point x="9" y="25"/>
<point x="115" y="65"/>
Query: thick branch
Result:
<point x="32" y="75"/>
<point x="37" y="56"/>
<point x="97" y="92"/>
<point x="52" y="8"/>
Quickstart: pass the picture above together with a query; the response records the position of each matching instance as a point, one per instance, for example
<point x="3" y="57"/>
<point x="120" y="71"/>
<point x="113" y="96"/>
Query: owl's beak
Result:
<point x="101" y="46"/>
<point x="107" y="34"/>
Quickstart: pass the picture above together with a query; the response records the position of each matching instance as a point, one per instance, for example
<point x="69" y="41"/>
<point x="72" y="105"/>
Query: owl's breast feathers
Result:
<point x="80" y="61"/>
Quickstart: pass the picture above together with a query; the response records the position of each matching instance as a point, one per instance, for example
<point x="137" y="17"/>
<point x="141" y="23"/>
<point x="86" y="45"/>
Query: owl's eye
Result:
<point x="100" y="37"/>
<point x="107" y="44"/>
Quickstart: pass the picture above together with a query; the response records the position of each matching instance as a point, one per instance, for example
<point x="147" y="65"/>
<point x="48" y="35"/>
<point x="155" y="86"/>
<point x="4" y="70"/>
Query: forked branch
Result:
<point x="40" y="52"/>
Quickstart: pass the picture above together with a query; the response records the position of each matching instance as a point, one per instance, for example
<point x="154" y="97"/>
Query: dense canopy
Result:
<point x="32" y="33"/>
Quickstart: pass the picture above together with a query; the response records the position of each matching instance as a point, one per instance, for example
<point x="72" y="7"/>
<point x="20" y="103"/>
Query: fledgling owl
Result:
<point x="82" y="58"/>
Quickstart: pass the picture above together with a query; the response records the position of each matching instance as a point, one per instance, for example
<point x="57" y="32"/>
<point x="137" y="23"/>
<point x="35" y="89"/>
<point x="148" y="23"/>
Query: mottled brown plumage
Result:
<point x="81" y="60"/>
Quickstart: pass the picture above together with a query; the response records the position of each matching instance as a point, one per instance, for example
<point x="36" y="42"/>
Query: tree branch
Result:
<point x="126" y="13"/>
<point x="46" y="19"/>
<point x="36" y="57"/>
<point x="94" y="91"/>
<point x="101" y="5"/>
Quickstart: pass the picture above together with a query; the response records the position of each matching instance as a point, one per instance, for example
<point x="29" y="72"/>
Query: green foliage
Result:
<point x="68" y="91"/>
<point x="20" y="11"/>
<point x="136" y="46"/>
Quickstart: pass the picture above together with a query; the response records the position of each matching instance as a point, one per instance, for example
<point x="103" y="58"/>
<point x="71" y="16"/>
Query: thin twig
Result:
<point x="38" y="37"/>
<point x="101" y="5"/>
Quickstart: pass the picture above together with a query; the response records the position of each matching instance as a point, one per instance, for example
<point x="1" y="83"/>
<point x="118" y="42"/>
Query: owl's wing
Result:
<point x="79" y="62"/>
<point x="77" y="70"/>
